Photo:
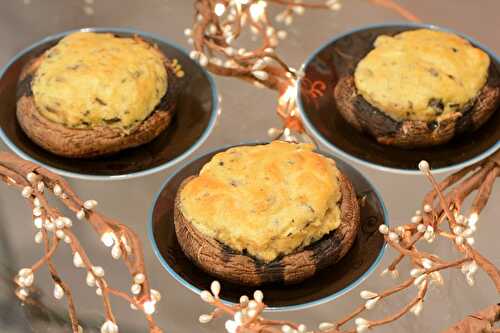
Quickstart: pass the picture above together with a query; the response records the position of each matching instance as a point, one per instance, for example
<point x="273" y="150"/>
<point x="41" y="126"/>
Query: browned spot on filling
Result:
<point x="100" y="101"/>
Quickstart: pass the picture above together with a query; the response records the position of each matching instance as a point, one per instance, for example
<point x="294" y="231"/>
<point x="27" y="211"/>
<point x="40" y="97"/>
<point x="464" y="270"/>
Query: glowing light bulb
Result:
<point x="149" y="307"/>
<point x="473" y="218"/>
<point x="219" y="9"/>
<point x="288" y="94"/>
<point x="108" y="238"/>
<point x="257" y="9"/>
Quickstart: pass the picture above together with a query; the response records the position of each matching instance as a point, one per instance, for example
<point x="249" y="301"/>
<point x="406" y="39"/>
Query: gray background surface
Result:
<point x="247" y="112"/>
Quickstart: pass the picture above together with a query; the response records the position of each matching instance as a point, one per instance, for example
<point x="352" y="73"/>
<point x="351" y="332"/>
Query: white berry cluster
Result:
<point x="371" y="298"/>
<point x="469" y="270"/>
<point x="24" y="279"/>
<point x="230" y="12"/>
<point x="43" y="221"/>
<point x="249" y="310"/>
<point x="464" y="229"/>
<point x="50" y="224"/>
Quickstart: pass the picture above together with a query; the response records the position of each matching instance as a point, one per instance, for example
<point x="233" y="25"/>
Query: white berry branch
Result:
<point x="219" y="26"/>
<point x="54" y="229"/>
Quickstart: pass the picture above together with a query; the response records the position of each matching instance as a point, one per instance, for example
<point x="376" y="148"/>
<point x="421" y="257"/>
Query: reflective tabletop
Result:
<point x="247" y="113"/>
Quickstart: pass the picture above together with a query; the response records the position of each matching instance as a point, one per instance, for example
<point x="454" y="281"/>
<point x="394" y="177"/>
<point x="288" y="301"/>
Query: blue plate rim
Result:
<point x="337" y="151"/>
<point x="296" y="307"/>
<point x="166" y="165"/>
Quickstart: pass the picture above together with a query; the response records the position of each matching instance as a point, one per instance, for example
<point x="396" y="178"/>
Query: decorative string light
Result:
<point x="217" y="28"/>
<point x="257" y="10"/>
<point x="53" y="229"/>
<point x="108" y="238"/>
<point x="219" y="9"/>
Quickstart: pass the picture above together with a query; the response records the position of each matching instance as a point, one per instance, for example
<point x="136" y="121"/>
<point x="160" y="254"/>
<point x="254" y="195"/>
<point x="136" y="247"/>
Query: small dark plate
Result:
<point x="339" y="57"/>
<point x="360" y="261"/>
<point x="196" y="112"/>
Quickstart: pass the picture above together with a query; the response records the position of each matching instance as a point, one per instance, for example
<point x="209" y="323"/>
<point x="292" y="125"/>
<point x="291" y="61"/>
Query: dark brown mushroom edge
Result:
<point x="223" y="262"/>
<point x="80" y="133"/>
<point x="411" y="133"/>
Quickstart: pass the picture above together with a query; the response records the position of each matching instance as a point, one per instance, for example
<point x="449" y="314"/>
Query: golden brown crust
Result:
<point x="412" y="133"/>
<point x="224" y="263"/>
<point x="421" y="74"/>
<point x="85" y="143"/>
<point x="93" y="79"/>
<point x="290" y="192"/>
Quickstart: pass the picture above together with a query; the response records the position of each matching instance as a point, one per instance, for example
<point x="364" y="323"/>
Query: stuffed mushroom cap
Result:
<point x="266" y="213"/>
<point x="419" y="88"/>
<point x="96" y="93"/>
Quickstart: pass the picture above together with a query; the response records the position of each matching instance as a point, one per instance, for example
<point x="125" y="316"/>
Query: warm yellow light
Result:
<point x="288" y="95"/>
<point x="108" y="238"/>
<point x="473" y="218"/>
<point x="219" y="9"/>
<point x="149" y="307"/>
<point x="242" y="2"/>
<point x="257" y="9"/>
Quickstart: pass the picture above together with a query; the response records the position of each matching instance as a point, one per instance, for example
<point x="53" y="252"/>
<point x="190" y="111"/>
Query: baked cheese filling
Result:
<point x="421" y="74"/>
<point x="96" y="79"/>
<point x="266" y="200"/>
